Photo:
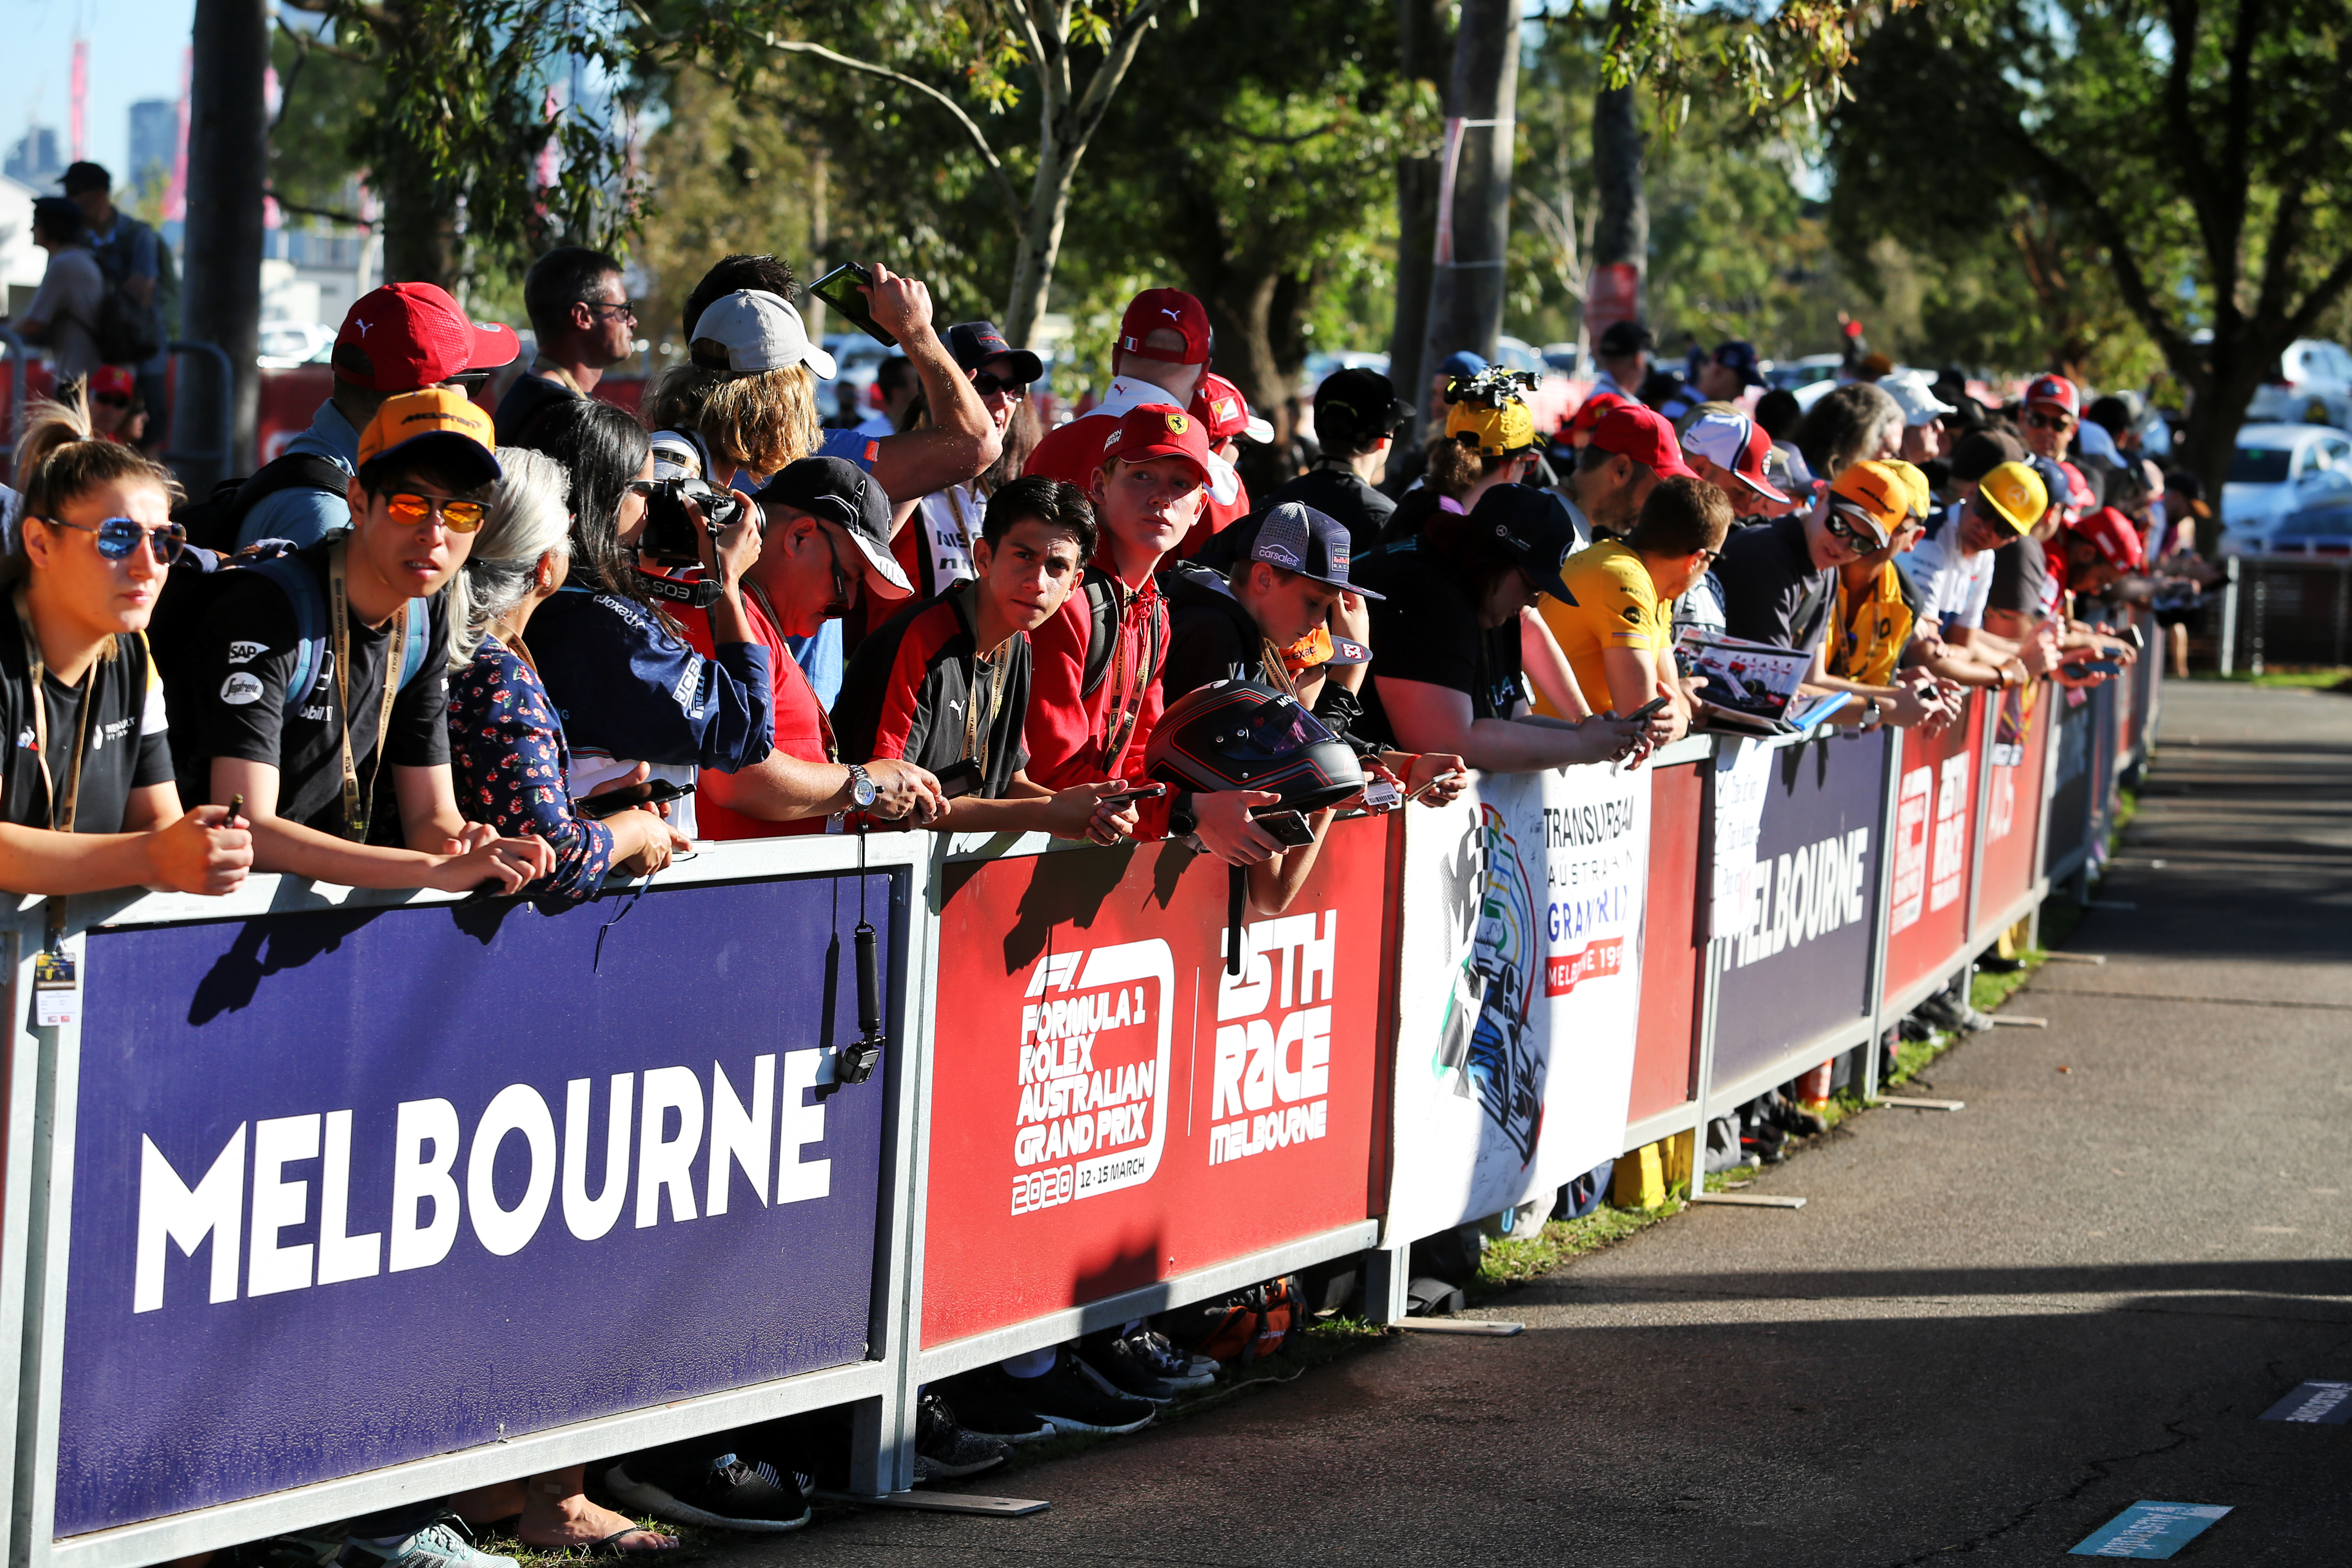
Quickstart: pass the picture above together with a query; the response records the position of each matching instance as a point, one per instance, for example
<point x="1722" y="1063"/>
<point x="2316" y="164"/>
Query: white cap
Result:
<point x="675" y="457"/>
<point x="1915" y="393"/>
<point x="759" y="331"/>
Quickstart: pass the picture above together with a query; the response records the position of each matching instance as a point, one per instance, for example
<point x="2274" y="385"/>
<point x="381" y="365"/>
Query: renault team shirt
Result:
<point x="1615" y="607"/>
<point x="126" y="748"/>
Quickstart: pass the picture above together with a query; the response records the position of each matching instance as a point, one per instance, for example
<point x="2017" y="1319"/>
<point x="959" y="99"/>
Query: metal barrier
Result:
<point x="295" y="1229"/>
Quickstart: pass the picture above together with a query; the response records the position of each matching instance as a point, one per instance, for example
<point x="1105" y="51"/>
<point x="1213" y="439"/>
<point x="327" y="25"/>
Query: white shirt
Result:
<point x="876" y="423"/>
<point x="1126" y="393"/>
<point x="950" y="520"/>
<point x="1952" y="587"/>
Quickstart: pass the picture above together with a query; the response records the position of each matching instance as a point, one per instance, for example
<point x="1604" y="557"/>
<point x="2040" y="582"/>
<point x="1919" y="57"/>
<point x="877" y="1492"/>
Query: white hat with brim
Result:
<point x="1916" y="397"/>
<point x="757" y="331"/>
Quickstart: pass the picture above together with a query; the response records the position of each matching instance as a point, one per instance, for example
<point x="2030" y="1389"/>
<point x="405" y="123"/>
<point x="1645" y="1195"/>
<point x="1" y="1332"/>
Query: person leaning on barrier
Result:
<point x="1876" y="607"/>
<point x="310" y="764"/>
<point x="1447" y="640"/>
<point x="1951" y="571"/>
<point x="944" y="683"/>
<point x="1269" y="619"/>
<point x="88" y="559"/>
<point x="627" y="686"/>
<point x="1356" y="416"/>
<point x="507" y="748"/>
<point x="825" y="550"/>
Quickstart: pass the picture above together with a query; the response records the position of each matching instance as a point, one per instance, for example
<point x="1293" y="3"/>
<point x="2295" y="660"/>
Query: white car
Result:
<point x="2279" y="469"/>
<point x="285" y="344"/>
<point x="2313" y="386"/>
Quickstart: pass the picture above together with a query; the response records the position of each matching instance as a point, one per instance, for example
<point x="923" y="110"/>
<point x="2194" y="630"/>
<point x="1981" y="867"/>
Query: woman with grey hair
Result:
<point x="506" y="743"/>
<point x="1850" y="424"/>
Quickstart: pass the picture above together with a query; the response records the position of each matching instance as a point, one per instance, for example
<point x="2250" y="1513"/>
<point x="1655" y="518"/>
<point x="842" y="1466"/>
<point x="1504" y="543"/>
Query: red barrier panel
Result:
<point x="2007" y="873"/>
<point x="1665" y="1047"/>
<point x="1109" y="1108"/>
<point x="1934" y="820"/>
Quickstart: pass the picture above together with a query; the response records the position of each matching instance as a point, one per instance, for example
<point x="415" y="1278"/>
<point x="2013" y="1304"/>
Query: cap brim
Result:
<point x="817" y="360"/>
<point x="883" y="573"/>
<point x="1257" y="430"/>
<point x="1681" y="470"/>
<point x="1025" y="366"/>
<point x="1855" y="514"/>
<point x="1145" y="454"/>
<point x="1224" y="483"/>
<point x="1777" y="497"/>
<point x="494" y="345"/>
<point x="467" y="458"/>
<point x="1347" y="650"/>
<point x="1399" y="416"/>
<point x="1345" y="586"/>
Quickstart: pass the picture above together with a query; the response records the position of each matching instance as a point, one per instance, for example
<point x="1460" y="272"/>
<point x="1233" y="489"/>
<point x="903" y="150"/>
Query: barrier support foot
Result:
<point x="946" y="1502"/>
<point x="1386" y="1270"/>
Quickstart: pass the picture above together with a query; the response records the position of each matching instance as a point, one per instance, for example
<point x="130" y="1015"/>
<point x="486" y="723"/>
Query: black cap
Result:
<point x="1534" y="528"/>
<point x="1357" y="405"/>
<point x="842" y="493"/>
<point x="1296" y="538"/>
<point x="84" y="176"/>
<point x="973" y="343"/>
<point x="1982" y="451"/>
<point x="1624" y="338"/>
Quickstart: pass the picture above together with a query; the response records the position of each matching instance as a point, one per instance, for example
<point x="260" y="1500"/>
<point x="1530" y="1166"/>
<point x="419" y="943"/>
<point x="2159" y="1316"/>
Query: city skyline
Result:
<point x="135" y="48"/>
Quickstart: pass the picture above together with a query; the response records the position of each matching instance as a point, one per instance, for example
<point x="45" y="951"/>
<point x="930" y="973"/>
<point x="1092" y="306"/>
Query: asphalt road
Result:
<point x="1987" y="1333"/>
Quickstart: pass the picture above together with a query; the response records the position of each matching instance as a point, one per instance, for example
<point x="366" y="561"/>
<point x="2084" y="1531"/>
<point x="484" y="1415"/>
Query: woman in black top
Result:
<point x="87" y="800"/>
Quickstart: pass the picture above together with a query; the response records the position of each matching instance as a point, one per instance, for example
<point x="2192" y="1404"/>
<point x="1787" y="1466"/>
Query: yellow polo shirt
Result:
<point x="1616" y="606"/>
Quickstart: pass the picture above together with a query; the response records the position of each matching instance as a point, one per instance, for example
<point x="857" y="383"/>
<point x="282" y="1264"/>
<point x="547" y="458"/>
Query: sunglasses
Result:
<point x="1839" y="528"/>
<point x="2048" y="421"/>
<point x="624" y="311"/>
<point x="988" y="384"/>
<point x="119" y="536"/>
<point x="456" y="516"/>
<point x="112" y="400"/>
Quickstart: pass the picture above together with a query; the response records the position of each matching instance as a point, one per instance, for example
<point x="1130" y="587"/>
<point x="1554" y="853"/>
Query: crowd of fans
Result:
<point x="543" y="652"/>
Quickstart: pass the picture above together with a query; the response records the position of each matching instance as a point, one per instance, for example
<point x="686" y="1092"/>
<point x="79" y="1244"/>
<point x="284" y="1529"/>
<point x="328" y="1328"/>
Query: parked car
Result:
<point x="2313" y="386"/>
<point x="2280" y="469"/>
<point x="1319" y="367"/>
<point x="1787" y="376"/>
<point x="2324" y="528"/>
<point x="285" y="344"/>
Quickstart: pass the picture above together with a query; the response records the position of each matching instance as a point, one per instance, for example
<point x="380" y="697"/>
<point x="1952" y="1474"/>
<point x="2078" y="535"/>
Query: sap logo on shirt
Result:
<point x="762" y="1137"/>
<point x="247" y="652"/>
<point x="241" y="688"/>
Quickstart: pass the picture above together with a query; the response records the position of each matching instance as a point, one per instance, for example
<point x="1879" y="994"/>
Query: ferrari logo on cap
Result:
<point x="1177" y="425"/>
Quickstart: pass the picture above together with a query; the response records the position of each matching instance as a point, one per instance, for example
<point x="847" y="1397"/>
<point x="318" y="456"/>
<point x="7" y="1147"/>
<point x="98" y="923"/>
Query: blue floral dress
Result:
<point x="508" y="758"/>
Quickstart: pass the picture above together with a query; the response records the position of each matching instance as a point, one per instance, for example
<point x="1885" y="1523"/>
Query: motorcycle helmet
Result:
<point x="1239" y="734"/>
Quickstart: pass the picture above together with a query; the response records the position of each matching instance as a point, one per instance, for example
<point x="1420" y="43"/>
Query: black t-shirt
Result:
<point x="1771" y="592"/>
<point x="2019" y="577"/>
<point x="909" y="690"/>
<point x="1427" y="630"/>
<point x="1339" y="493"/>
<point x="249" y="647"/>
<point x="523" y="401"/>
<point x="1207" y="641"/>
<point x="126" y="748"/>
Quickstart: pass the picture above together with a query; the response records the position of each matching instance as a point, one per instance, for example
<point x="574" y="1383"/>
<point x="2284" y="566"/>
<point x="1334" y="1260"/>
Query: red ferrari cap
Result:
<point x="1159" y="430"/>
<point x="2117" y="540"/>
<point x="1169" y="310"/>
<point x="1637" y="431"/>
<point x="1589" y="413"/>
<point x="406" y="336"/>
<point x="2055" y="390"/>
<point x="1219" y="404"/>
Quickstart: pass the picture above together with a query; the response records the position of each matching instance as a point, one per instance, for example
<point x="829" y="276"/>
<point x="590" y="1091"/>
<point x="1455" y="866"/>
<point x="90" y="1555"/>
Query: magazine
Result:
<point x="1751" y="687"/>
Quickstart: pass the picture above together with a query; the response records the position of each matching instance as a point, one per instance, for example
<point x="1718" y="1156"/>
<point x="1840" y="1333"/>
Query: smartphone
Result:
<point x="838" y="288"/>
<point x="2137" y="638"/>
<point x="611" y="802"/>
<point x="2099" y="667"/>
<point x="959" y="779"/>
<point x="1141" y="792"/>
<point x="1288" y="828"/>
<point x="1652" y="706"/>
<point x="1432" y="784"/>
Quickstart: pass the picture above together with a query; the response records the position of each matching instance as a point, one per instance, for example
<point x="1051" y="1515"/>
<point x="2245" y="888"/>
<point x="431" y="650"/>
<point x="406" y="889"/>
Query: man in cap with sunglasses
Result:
<point x="325" y="695"/>
<point x="934" y="544"/>
<point x="2053" y="409"/>
<point x="1780" y="577"/>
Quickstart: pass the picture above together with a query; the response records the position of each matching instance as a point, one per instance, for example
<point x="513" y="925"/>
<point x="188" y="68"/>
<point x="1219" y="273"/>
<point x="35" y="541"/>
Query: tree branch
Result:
<point x="1013" y="205"/>
<point x="353" y="219"/>
<point x="1113" y="68"/>
<point x="2320" y="300"/>
<point x="2130" y="280"/>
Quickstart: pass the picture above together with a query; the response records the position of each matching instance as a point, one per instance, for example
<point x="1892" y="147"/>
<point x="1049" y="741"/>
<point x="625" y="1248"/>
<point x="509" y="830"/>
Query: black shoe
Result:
<point x="1998" y="966"/>
<point x="1946" y="1011"/>
<point x="1074" y="1397"/>
<point x="1916" y="1030"/>
<point x="986" y="1404"/>
<point x="721" y="1493"/>
<point x="1143" y="1364"/>
<point x="944" y="1449"/>
<point x="1797" y="1122"/>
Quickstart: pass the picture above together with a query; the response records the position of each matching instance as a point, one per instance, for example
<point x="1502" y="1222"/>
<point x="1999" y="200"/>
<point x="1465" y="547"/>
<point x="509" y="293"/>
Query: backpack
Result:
<point x="177" y="626"/>
<point x="213" y="523"/>
<point x="126" y="331"/>
<point x="1240" y="1328"/>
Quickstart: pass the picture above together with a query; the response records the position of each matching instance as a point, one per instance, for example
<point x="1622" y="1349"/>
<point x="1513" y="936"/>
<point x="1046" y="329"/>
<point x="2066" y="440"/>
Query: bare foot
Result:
<point x="576" y="1521"/>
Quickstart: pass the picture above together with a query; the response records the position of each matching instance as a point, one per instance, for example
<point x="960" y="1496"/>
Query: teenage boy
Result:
<point x="1877" y="608"/>
<point x="1633" y="447"/>
<point x="311" y="764"/>
<point x="1095" y="686"/>
<point x="825" y="545"/>
<point x="1162" y="354"/>
<point x="944" y="684"/>
<point x="580" y="317"/>
<point x="1356" y="416"/>
<point x="1951" y="572"/>
<point x="397" y="338"/>
<point x="1779" y="578"/>
<point x="1616" y="625"/>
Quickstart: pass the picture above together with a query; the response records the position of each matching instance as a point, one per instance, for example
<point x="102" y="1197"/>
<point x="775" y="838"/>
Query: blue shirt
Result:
<point x="301" y="514"/>
<point x="509" y="763"/>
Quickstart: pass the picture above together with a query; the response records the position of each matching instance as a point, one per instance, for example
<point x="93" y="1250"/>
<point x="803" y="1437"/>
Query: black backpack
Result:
<point x="213" y="523"/>
<point x="126" y="331"/>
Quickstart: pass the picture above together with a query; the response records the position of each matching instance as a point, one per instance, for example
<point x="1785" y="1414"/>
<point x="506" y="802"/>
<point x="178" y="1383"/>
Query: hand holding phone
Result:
<point x="839" y="289"/>
<point x="1118" y="798"/>
<point x="1288" y="828"/>
<point x="1653" y="705"/>
<point x="1430" y="783"/>
<point x="611" y="802"/>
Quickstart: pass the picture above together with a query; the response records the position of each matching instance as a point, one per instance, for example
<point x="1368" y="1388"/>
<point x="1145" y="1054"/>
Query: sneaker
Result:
<point x="1074" y="1397"/>
<point x="985" y="1404"/>
<point x="1946" y="1011"/>
<point x="441" y="1545"/>
<point x="944" y="1449"/>
<point x="1142" y="1364"/>
<point x="724" y="1493"/>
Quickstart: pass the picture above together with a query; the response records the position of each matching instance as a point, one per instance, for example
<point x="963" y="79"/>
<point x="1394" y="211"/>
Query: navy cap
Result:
<point x="1460" y="361"/>
<point x="1534" y="528"/>
<point x="1298" y="538"/>
<point x="1739" y="354"/>
<point x="973" y="343"/>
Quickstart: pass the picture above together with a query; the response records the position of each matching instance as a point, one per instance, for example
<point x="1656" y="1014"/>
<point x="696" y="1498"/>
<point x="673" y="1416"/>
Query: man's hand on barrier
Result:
<point x="1919" y="707"/>
<point x="906" y="795"/>
<point x="1109" y="822"/>
<point x="1222" y="821"/>
<point x="202" y="853"/>
<point x="1608" y="739"/>
<point x="1444" y="775"/>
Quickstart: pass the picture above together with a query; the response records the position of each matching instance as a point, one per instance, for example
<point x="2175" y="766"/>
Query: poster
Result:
<point x="1936" y="810"/>
<point x="1517" y="1014"/>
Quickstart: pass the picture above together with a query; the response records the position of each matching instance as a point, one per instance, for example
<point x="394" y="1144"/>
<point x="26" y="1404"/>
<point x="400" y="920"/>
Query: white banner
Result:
<point x="1519" y="993"/>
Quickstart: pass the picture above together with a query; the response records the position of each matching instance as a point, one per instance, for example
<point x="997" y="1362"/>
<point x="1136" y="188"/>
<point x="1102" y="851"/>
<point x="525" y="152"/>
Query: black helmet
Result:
<point x="1239" y="734"/>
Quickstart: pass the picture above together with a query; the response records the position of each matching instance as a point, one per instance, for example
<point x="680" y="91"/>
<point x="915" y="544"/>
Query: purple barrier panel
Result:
<point x="354" y="1188"/>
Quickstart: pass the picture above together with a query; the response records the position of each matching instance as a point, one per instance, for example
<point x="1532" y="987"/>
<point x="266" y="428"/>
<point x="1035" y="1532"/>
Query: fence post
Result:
<point x="2229" y="649"/>
<point x="202" y="468"/>
<point x="2343" y="602"/>
<point x="1881" y="904"/>
<point x="2262" y="615"/>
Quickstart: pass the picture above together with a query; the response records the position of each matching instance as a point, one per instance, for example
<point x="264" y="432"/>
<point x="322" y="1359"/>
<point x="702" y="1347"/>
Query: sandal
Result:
<point x="611" y="1545"/>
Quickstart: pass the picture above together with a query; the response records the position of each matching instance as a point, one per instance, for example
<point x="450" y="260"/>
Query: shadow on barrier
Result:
<point x="289" y="940"/>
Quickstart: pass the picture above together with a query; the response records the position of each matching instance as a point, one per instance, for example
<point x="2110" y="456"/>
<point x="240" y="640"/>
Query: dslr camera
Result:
<point x="672" y="536"/>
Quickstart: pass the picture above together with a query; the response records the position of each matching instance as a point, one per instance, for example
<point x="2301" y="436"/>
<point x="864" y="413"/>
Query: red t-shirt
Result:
<point x="800" y="730"/>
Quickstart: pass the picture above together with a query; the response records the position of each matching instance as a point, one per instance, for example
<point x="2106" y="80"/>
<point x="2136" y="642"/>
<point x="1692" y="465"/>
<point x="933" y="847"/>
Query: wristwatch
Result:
<point x="863" y="790"/>
<point x="1875" y="715"/>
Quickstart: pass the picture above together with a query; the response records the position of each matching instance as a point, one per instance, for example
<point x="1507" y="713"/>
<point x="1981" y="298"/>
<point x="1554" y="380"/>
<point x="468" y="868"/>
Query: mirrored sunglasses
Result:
<point x="456" y="516"/>
<point x="119" y="536"/>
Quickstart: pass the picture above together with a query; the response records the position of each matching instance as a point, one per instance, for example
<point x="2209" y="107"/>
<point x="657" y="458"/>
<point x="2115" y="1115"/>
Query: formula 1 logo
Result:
<point x="1095" y="1037"/>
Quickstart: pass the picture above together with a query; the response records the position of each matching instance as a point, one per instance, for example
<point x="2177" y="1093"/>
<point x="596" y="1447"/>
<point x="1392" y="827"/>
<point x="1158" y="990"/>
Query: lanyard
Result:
<point x="358" y="809"/>
<point x="976" y="733"/>
<point x="1127" y="706"/>
<point x="58" y="822"/>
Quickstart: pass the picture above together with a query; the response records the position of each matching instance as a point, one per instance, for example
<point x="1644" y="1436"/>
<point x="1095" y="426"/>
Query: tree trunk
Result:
<point x="2219" y="389"/>
<point x="228" y="168"/>
<point x="1465" y="304"/>
<point x="1040" y="238"/>
<point x="1620" y="232"/>
<point x="1424" y="50"/>
<point x="420" y="234"/>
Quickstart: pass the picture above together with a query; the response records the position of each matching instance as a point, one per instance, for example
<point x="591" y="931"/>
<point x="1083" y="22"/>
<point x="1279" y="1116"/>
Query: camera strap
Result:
<point x="699" y="595"/>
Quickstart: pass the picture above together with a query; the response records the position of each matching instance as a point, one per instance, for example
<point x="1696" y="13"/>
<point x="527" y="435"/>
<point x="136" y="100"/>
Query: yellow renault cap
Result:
<point x="1923" y="494"/>
<point x="2016" y="495"/>
<point x="1498" y="431"/>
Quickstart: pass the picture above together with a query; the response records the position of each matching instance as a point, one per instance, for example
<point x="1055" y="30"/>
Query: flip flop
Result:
<point x="610" y="1546"/>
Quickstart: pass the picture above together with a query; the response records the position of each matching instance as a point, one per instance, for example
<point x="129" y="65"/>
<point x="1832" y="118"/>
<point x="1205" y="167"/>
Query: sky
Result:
<point x="135" y="53"/>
